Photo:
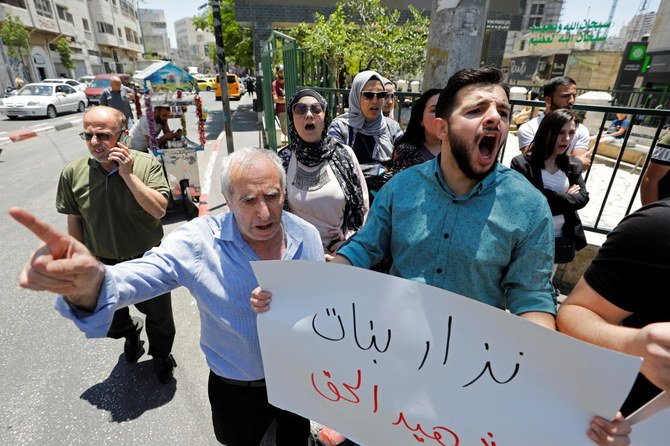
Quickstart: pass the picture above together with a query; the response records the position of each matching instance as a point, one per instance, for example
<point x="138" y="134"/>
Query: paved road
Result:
<point x="59" y="388"/>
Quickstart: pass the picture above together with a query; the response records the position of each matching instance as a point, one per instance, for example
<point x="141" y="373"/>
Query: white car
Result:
<point x="86" y="80"/>
<point x="43" y="99"/>
<point x="79" y="86"/>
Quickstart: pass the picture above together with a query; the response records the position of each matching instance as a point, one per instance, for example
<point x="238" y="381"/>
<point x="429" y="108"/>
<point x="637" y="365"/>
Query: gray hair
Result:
<point x="247" y="156"/>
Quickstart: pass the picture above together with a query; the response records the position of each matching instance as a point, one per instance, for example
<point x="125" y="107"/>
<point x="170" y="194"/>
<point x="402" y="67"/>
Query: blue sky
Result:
<point x="573" y="10"/>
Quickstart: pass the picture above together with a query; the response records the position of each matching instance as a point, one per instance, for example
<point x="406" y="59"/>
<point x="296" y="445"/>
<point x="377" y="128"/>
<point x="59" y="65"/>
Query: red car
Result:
<point x="102" y="81"/>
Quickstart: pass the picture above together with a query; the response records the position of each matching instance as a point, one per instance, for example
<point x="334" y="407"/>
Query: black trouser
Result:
<point x="241" y="414"/>
<point x="159" y="321"/>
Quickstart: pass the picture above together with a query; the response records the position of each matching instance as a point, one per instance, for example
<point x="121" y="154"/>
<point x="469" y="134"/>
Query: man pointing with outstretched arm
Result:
<point x="211" y="257"/>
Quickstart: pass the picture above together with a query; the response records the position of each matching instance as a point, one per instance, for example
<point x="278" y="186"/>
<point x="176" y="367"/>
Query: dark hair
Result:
<point x="534" y="95"/>
<point x="545" y="139"/>
<point x="415" y="134"/>
<point x="555" y="82"/>
<point x="486" y="75"/>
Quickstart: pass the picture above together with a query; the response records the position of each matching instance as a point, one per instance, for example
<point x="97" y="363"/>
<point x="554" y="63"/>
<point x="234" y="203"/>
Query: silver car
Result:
<point x="43" y="99"/>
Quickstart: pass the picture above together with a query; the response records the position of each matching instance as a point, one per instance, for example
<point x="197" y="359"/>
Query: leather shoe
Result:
<point x="132" y="346"/>
<point x="163" y="366"/>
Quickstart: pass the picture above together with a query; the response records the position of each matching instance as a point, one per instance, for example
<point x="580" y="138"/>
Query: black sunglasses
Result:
<point x="100" y="136"/>
<point x="371" y="94"/>
<point x="301" y="109"/>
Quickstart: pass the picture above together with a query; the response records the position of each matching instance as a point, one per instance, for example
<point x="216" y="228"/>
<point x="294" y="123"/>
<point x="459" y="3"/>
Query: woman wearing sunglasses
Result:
<point x="324" y="182"/>
<point x="365" y="129"/>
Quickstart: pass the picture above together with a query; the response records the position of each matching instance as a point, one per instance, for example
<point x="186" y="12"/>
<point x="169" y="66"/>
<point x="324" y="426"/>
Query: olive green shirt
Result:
<point x="115" y="225"/>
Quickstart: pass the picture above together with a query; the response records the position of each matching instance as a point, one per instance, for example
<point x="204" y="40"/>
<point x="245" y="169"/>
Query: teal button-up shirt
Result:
<point x="494" y="244"/>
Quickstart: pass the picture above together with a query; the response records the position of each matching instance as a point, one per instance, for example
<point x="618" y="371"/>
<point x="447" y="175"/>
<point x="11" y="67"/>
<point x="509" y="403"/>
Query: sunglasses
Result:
<point x="369" y="95"/>
<point x="301" y="109"/>
<point x="100" y="136"/>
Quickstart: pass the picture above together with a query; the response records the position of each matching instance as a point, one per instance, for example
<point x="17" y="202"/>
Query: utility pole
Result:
<point x="223" y="72"/>
<point x="455" y="39"/>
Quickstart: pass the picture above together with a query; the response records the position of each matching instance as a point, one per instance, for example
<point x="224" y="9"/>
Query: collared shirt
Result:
<point x="209" y="257"/>
<point x="494" y="244"/>
<point x="527" y="132"/>
<point x="118" y="100"/>
<point x="115" y="224"/>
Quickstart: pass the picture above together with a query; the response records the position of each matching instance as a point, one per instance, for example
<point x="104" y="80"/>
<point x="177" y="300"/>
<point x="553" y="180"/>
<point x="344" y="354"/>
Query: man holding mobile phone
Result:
<point x="114" y="200"/>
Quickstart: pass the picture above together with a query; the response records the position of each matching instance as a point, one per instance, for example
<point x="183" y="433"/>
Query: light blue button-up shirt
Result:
<point x="494" y="244"/>
<point x="209" y="257"/>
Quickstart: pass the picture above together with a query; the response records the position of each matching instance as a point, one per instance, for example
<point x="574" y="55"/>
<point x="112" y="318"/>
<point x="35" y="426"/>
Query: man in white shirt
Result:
<point x="559" y="92"/>
<point x="139" y="133"/>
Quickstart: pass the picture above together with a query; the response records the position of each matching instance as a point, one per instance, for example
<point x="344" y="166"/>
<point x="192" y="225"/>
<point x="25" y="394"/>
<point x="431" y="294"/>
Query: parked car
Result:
<point x="234" y="87"/>
<point x="102" y="81"/>
<point x="207" y="83"/>
<point x="71" y="82"/>
<point x="43" y="99"/>
<point x="86" y="80"/>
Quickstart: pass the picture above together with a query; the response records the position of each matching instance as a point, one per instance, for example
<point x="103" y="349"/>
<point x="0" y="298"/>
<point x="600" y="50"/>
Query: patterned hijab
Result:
<point x="354" y="118"/>
<point x="327" y="150"/>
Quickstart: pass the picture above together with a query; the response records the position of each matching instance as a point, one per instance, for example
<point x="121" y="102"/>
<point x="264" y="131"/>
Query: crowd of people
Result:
<point x="431" y="202"/>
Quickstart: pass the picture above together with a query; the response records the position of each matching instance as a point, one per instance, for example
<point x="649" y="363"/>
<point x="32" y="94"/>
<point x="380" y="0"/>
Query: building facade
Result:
<point x="154" y="33"/>
<point x="192" y="45"/>
<point x="104" y="36"/>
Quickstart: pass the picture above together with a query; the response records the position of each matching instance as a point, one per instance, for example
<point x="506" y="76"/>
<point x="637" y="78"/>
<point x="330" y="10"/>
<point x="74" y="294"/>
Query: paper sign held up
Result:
<point x="388" y="361"/>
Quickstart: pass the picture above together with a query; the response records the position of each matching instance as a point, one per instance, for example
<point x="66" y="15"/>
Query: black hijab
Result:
<point x="326" y="149"/>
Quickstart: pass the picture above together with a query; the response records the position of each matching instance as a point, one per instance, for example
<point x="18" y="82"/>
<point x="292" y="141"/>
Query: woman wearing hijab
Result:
<point x="365" y="129"/>
<point x="324" y="182"/>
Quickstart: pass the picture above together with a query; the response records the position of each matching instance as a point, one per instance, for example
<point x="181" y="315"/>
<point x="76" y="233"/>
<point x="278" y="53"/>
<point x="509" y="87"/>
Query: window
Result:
<point x="105" y="28"/>
<point x="522" y="45"/>
<point x="63" y="14"/>
<point x="43" y="8"/>
<point x="537" y="9"/>
<point x="86" y="25"/>
<point x="535" y="21"/>
<point x="119" y="33"/>
<point x="18" y="3"/>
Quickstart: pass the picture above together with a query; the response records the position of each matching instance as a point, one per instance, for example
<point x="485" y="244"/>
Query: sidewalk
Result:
<point x="38" y="129"/>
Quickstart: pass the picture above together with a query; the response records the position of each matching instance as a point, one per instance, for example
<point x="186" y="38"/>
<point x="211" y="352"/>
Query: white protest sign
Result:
<point x="388" y="361"/>
<point x="651" y="422"/>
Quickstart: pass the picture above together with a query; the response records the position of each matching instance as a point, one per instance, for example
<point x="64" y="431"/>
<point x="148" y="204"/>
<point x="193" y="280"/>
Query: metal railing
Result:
<point x="615" y="175"/>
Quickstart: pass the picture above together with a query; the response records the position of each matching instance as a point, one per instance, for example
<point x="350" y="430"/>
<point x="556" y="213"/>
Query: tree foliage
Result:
<point x="65" y="52"/>
<point x="237" y="41"/>
<point x="363" y="34"/>
<point x="15" y="36"/>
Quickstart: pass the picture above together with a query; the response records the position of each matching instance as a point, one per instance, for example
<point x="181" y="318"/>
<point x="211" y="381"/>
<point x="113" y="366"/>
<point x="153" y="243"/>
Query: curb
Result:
<point x="203" y="205"/>
<point x="27" y="133"/>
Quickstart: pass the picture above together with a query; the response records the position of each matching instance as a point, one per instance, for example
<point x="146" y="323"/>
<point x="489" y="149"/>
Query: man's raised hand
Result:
<point x="61" y="265"/>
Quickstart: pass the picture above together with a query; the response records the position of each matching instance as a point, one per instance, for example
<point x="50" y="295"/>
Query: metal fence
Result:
<point x="615" y="175"/>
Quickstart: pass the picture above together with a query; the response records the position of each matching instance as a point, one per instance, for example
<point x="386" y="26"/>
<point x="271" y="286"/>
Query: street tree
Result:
<point x="237" y="41"/>
<point x="363" y="34"/>
<point x="15" y="37"/>
<point x="65" y="52"/>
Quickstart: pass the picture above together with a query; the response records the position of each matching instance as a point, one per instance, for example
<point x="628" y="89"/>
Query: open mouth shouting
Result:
<point x="488" y="143"/>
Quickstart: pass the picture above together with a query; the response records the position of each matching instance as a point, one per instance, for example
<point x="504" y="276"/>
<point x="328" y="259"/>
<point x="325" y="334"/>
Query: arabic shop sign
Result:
<point x="523" y="68"/>
<point x="584" y="31"/>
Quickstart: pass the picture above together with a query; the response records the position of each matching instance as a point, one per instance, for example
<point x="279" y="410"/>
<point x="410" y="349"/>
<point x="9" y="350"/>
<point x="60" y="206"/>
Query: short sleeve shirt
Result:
<point x="661" y="155"/>
<point x="527" y="131"/>
<point x="139" y="133"/>
<point x="115" y="225"/>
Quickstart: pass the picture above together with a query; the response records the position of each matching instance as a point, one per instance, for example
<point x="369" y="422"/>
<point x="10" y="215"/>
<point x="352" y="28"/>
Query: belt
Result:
<point x="234" y="382"/>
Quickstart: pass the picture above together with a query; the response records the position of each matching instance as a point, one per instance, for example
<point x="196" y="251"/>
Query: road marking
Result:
<point x="203" y="207"/>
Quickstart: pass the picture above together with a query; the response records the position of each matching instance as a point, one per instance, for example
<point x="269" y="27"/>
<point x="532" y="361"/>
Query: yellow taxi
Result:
<point x="234" y="87"/>
<point x="207" y="83"/>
